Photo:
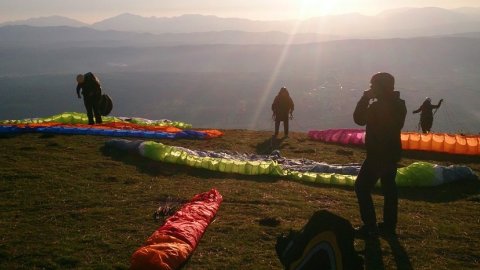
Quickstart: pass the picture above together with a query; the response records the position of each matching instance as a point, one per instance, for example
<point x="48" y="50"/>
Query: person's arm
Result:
<point x="438" y="105"/>
<point x="360" y="113"/>
<point x="292" y="106"/>
<point x="274" y="104"/>
<point x="418" y="110"/>
<point x="78" y="90"/>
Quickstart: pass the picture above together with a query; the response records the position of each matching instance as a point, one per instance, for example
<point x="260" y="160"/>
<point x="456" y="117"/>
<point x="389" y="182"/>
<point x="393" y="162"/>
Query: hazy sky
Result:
<point x="90" y="11"/>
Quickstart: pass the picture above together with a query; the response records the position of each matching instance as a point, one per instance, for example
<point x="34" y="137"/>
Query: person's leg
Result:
<point x="89" y="107"/>
<point x="96" y="112"/>
<point x="390" y="195"/>
<point x="366" y="179"/>
<point x="428" y="124"/>
<point x="285" y="127"/>
<point x="422" y="125"/>
<point x="277" y="127"/>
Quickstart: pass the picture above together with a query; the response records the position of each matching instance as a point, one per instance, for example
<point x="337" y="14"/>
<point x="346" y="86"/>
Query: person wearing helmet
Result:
<point x="383" y="113"/>
<point x="282" y="108"/>
<point x="426" y="114"/>
<point x="92" y="92"/>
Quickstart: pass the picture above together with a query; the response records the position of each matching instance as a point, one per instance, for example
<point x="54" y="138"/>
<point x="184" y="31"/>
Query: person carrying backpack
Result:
<point x="92" y="92"/>
<point x="383" y="113"/>
<point x="282" y="108"/>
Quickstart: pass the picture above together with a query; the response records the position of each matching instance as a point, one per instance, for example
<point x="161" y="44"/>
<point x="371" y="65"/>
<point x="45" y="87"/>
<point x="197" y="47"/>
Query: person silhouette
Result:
<point x="282" y="108"/>
<point x="92" y="92"/>
<point x="426" y="114"/>
<point x="383" y="113"/>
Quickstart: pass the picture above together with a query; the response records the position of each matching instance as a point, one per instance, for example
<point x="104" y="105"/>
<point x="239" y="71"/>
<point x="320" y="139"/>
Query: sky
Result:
<point x="90" y="11"/>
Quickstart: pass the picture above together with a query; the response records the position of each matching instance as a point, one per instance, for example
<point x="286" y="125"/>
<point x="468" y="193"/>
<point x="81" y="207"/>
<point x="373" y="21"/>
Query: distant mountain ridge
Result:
<point x="392" y="23"/>
<point x="404" y="22"/>
<point x="64" y="36"/>
<point x="48" y="21"/>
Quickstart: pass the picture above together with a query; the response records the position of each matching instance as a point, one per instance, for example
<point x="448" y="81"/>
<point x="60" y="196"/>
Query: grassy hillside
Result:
<point x="66" y="202"/>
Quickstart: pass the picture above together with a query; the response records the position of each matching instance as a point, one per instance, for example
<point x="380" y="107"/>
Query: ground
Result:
<point x="68" y="202"/>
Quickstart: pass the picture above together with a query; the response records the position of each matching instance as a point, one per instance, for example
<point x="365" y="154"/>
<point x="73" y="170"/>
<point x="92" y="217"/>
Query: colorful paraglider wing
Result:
<point x="442" y="142"/>
<point x="416" y="174"/>
<point x="75" y="123"/>
<point x="342" y="136"/>
<point x="171" y="244"/>
<point x="436" y="142"/>
<point x="81" y="118"/>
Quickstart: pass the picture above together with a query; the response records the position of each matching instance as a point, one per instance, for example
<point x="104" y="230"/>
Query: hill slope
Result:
<point x="66" y="202"/>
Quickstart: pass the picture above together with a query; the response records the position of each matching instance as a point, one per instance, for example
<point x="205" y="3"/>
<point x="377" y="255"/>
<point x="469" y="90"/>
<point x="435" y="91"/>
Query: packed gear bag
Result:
<point x="89" y="77"/>
<point x="105" y="105"/>
<point x="325" y="242"/>
<point x="92" y="85"/>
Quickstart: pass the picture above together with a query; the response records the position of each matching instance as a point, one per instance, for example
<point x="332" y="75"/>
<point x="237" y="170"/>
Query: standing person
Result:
<point x="91" y="91"/>
<point x="383" y="112"/>
<point x="282" y="108"/>
<point x="426" y="115"/>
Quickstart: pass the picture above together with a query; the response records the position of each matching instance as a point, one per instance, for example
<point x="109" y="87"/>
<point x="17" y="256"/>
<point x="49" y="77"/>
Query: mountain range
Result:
<point x="406" y="22"/>
<point x="17" y="36"/>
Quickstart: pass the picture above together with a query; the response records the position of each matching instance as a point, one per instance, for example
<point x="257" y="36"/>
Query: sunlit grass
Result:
<point x="65" y="202"/>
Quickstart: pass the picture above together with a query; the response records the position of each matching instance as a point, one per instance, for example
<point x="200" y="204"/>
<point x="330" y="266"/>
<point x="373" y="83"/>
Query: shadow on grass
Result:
<point x="374" y="257"/>
<point x="9" y="136"/>
<point x="399" y="253"/>
<point x="269" y="145"/>
<point x="445" y="193"/>
<point x="437" y="156"/>
<point x="155" y="168"/>
<point x="373" y="254"/>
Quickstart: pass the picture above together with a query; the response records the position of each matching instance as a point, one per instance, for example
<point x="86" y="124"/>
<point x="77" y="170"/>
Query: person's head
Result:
<point x="382" y="84"/>
<point x="283" y="91"/>
<point x="80" y="78"/>
<point x="427" y="101"/>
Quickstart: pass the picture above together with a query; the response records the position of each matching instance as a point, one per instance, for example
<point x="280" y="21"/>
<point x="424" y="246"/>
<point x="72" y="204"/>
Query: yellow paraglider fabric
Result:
<point x="81" y="118"/>
<point x="414" y="175"/>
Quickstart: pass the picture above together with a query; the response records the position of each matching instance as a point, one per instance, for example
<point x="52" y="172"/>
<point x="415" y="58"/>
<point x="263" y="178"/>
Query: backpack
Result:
<point x="325" y="242"/>
<point x="91" y="85"/>
<point x="105" y="105"/>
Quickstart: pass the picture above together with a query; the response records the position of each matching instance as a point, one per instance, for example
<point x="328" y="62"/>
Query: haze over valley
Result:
<point x="224" y="73"/>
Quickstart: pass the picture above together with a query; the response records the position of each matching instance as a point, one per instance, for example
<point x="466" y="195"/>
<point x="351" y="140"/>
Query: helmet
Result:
<point x="428" y="99"/>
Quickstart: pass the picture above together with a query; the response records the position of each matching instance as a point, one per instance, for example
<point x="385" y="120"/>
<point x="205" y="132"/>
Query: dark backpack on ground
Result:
<point x="105" y="105"/>
<point x="325" y="242"/>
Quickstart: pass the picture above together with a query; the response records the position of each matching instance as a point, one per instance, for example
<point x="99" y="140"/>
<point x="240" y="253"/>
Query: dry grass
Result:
<point x="66" y="202"/>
